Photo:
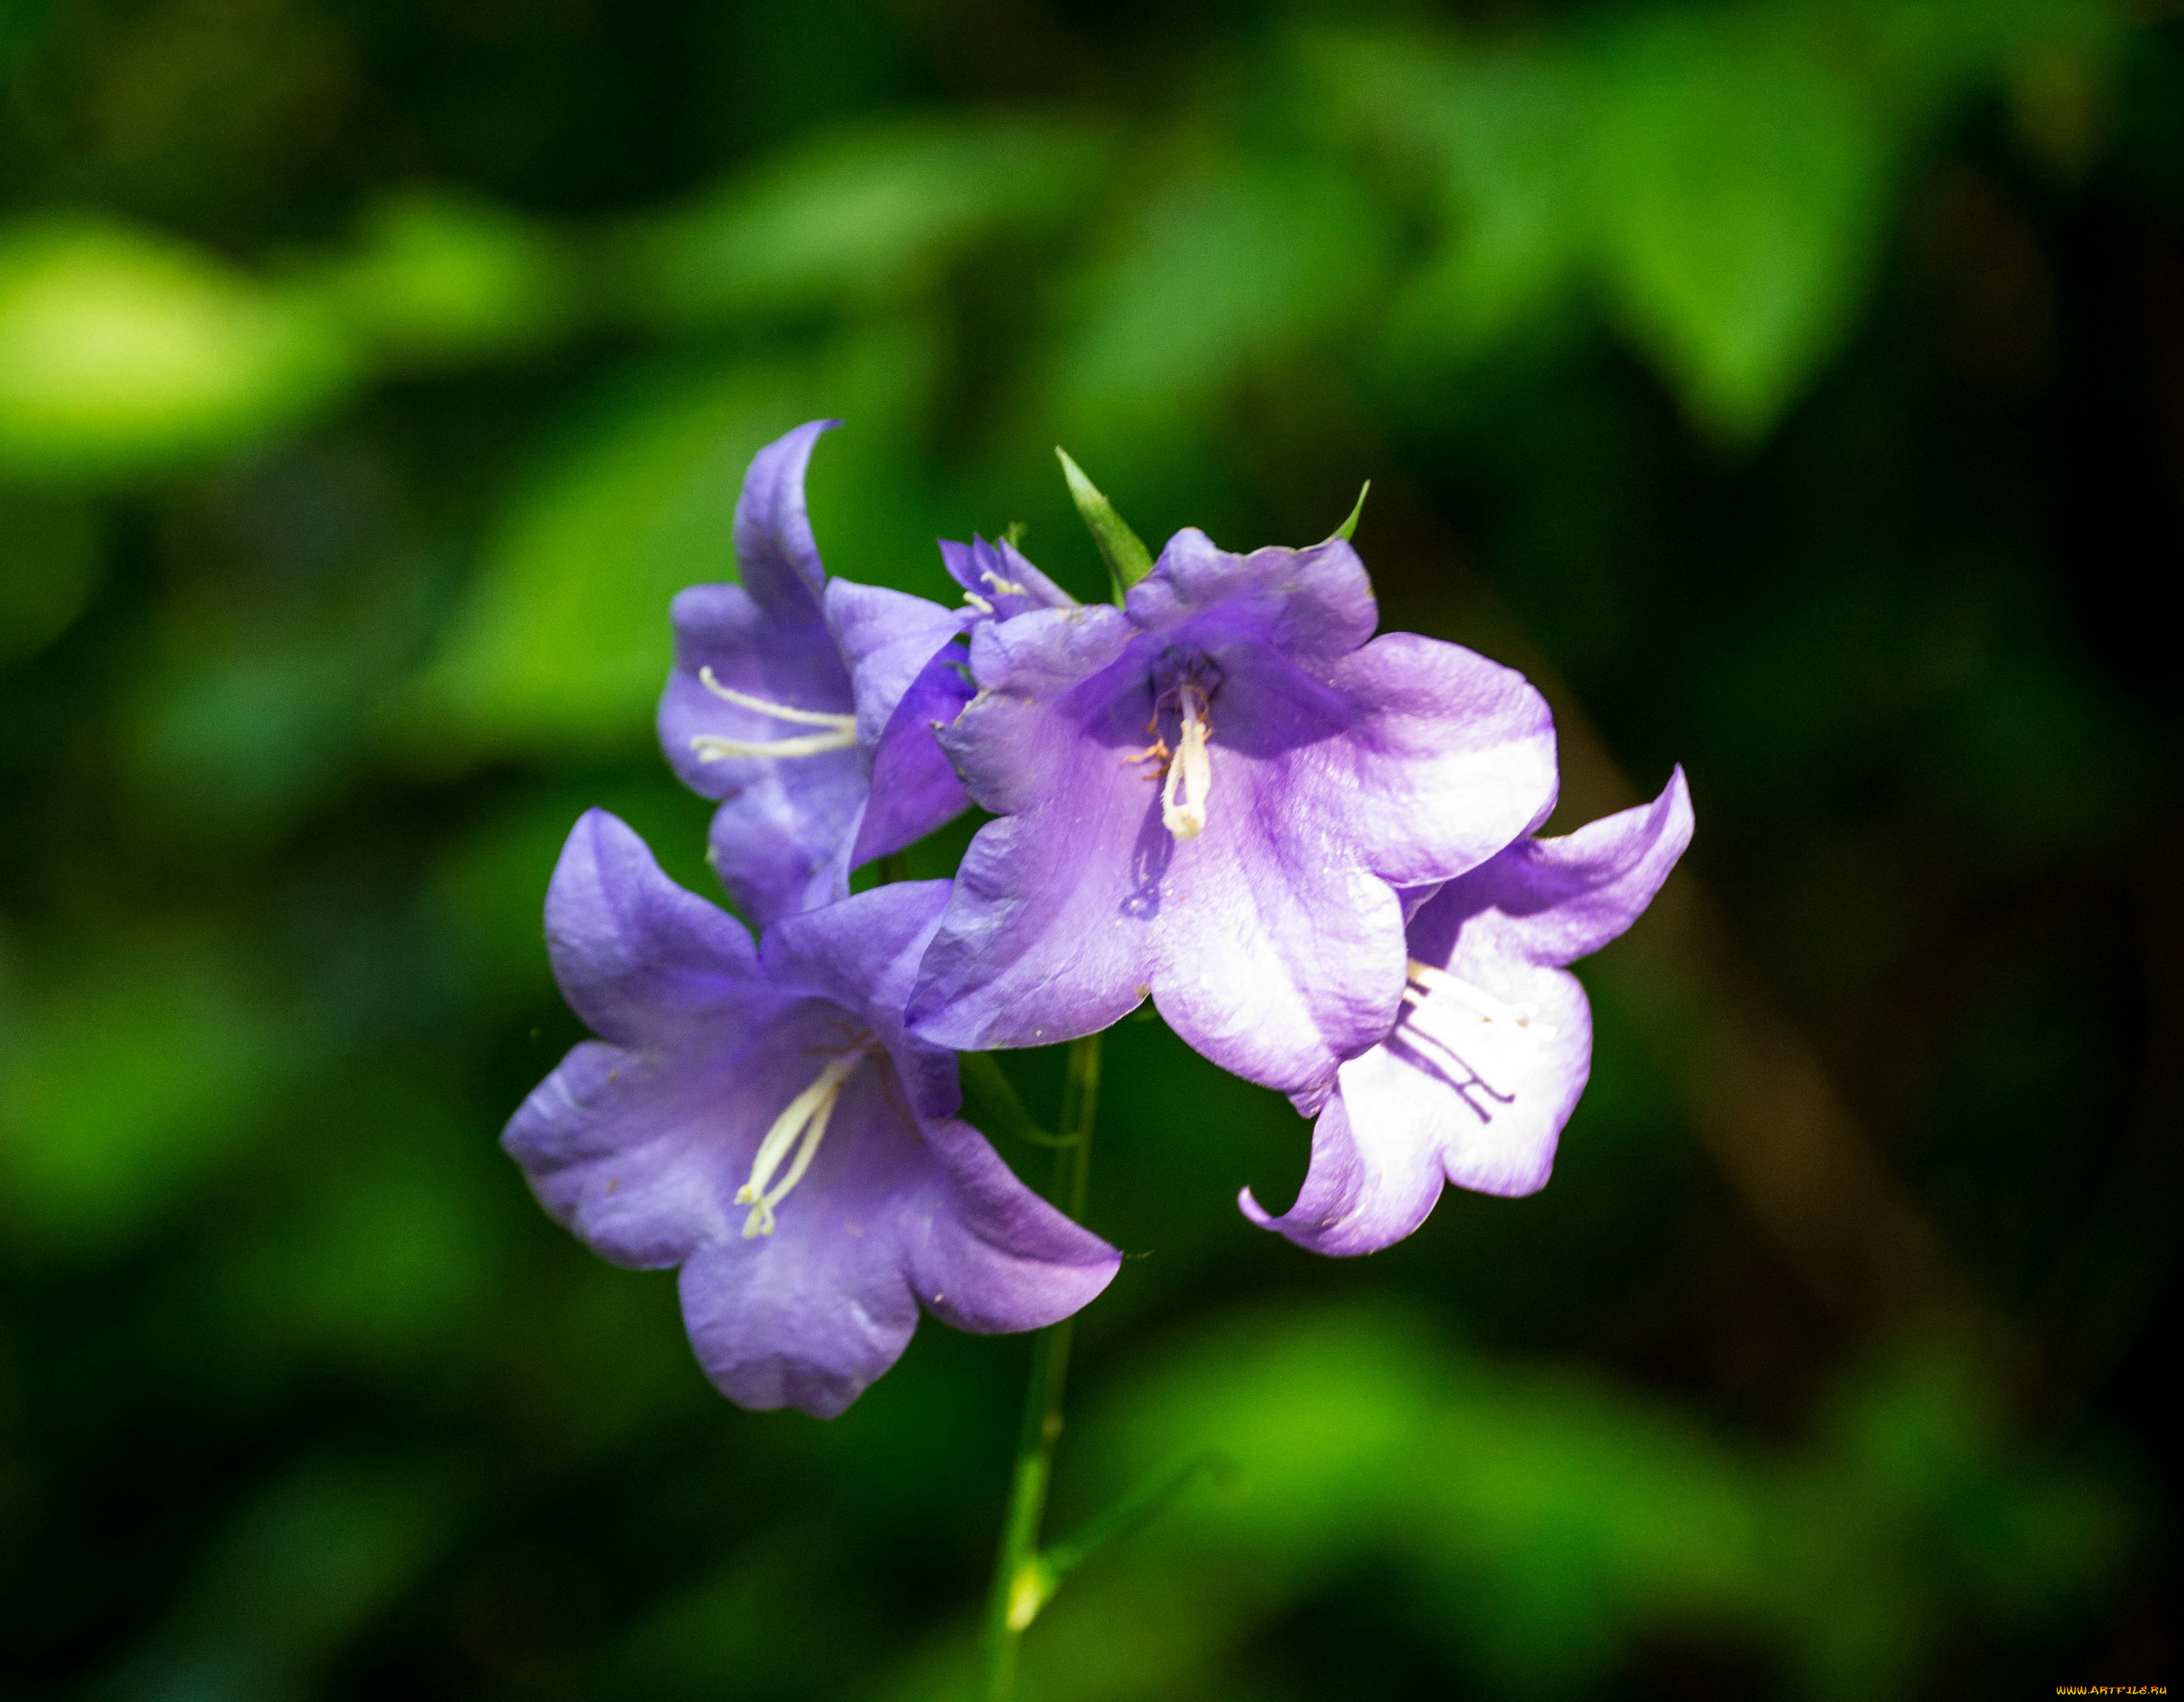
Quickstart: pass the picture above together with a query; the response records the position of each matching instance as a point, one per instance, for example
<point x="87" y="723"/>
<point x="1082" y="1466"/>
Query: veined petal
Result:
<point x="1451" y="758"/>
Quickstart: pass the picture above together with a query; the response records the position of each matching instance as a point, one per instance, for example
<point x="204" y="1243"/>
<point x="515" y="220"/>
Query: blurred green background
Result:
<point x="1795" y="387"/>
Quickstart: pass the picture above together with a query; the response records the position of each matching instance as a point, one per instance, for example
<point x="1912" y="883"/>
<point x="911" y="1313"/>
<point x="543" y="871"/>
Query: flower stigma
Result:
<point x="806" y="1116"/>
<point x="840" y="733"/>
<point x="1182" y="797"/>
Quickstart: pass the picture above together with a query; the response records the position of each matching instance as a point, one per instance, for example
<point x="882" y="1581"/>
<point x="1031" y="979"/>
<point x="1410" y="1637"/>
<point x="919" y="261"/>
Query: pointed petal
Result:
<point x="1368" y="1186"/>
<point x="638" y="958"/>
<point x="990" y="1255"/>
<point x="774" y="546"/>
<point x="1553" y="901"/>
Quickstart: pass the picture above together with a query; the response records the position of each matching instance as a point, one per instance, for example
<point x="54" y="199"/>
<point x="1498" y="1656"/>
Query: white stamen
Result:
<point x="840" y="733"/>
<point x="1183" y="799"/>
<point x="806" y="1115"/>
<point x="767" y="706"/>
<point x="1007" y="588"/>
<point x="1437" y="989"/>
<point x="977" y="603"/>
<point x="710" y="748"/>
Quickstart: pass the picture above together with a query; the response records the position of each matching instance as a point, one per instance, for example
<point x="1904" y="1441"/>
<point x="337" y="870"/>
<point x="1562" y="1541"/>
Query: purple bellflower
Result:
<point x="1473" y="1084"/>
<point x="758" y="1117"/>
<point x="806" y="704"/>
<point x="1213" y="795"/>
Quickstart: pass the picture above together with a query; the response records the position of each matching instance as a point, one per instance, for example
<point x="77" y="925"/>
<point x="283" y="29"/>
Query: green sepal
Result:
<point x="1127" y="558"/>
<point x="1349" y="525"/>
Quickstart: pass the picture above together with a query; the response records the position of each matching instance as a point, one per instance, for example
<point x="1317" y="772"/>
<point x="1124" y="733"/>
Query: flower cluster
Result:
<point x="1312" y="848"/>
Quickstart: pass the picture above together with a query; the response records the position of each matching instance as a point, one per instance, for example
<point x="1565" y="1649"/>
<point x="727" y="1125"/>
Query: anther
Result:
<point x="1182" y="799"/>
<point x="802" y="1124"/>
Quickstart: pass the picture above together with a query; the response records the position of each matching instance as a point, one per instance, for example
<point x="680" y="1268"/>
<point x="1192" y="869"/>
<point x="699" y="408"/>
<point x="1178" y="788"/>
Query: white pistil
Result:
<point x="806" y="1116"/>
<point x="1183" y="799"/>
<point x="840" y="733"/>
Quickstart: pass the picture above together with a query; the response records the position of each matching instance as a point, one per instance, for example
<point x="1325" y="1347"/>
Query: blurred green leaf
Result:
<point x="122" y="353"/>
<point x="442" y="279"/>
<point x="1741" y="186"/>
<point x="49" y="562"/>
<point x="862" y="217"/>
<point x="1224" y="269"/>
<point x="126" y="1086"/>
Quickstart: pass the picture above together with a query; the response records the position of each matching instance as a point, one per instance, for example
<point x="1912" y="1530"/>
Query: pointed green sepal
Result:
<point x="1349" y="525"/>
<point x="1127" y="558"/>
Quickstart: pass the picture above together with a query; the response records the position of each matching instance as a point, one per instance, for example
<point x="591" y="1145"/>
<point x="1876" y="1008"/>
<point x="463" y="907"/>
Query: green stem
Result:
<point x="1019" y="1585"/>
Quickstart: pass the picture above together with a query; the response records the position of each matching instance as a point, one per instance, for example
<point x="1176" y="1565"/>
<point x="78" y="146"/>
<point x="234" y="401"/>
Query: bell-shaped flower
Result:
<point x="756" y="1116"/>
<point x="1214" y="795"/>
<point x="1495" y="1039"/>
<point x="806" y="704"/>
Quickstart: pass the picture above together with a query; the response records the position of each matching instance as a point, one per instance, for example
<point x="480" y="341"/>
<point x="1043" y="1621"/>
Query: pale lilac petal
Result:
<point x="1046" y="935"/>
<point x="775" y="550"/>
<point x="636" y="957"/>
<point x="885" y="638"/>
<point x="1500" y="1095"/>
<point x="1477" y="1080"/>
<point x="914" y="788"/>
<point x="990" y="1255"/>
<point x="1553" y="901"/>
<point x="1278" y="953"/>
<point x="1450" y="758"/>
<point x="1315" y="604"/>
<point x="1364" y="1190"/>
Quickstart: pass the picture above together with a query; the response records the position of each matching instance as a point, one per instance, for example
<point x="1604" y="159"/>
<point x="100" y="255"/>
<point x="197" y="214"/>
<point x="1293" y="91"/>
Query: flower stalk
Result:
<point x="1022" y="1582"/>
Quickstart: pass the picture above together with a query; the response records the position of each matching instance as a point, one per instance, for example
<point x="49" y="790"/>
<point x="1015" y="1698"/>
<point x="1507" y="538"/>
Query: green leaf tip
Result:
<point x="1127" y="558"/>
<point x="1349" y="525"/>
